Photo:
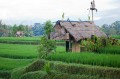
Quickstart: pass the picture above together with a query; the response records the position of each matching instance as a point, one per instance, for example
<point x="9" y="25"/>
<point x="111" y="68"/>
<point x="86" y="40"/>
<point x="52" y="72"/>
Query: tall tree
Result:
<point x="48" y="28"/>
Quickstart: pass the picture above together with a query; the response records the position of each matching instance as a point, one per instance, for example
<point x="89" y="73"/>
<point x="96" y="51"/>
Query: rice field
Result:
<point x="87" y="58"/>
<point x="109" y="50"/>
<point x="19" y="38"/>
<point x="19" y="55"/>
<point x="18" y="51"/>
<point x="116" y="36"/>
<point x="9" y="64"/>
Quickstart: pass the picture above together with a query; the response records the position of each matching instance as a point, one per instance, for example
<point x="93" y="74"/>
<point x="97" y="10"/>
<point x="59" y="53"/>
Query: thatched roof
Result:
<point x="78" y="30"/>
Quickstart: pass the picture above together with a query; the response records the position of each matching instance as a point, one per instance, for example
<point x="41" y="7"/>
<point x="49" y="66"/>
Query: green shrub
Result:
<point x="47" y="67"/>
<point x="60" y="70"/>
<point x="105" y="72"/>
<point x="55" y="75"/>
<point x="95" y="43"/>
<point x="16" y="73"/>
<point x="34" y="75"/>
<point x="35" y="66"/>
<point x="5" y="74"/>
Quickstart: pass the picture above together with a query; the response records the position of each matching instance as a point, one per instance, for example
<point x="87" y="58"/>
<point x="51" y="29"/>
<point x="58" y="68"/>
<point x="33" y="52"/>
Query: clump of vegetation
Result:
<point x="46" y="45"/>
<point x="60" y="70"/>
<point x="5" y="74"/>
<point x="93" y="44"/>
<point x="47" y="67"/>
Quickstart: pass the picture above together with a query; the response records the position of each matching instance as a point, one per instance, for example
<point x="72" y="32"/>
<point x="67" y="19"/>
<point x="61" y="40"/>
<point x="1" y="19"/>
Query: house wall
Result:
<point x="75" y="47"/>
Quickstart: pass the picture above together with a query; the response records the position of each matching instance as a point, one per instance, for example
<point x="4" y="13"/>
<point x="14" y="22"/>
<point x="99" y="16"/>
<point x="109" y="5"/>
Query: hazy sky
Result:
<point x="31" y="11"/>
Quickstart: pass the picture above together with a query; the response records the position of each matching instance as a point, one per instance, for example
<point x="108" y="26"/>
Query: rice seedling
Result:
<point x="87" y="58"/>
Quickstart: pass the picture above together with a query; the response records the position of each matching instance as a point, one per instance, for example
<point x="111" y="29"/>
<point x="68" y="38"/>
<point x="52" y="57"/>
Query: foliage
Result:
<point x="46" y="46"/>
<point x="48" y="28"/>
<point x="87" y="58"/>
<point x="55" y="75"/>
<point x="105" y="72"/>
<point x="113" y="29"/>
<point x="5" y="74"/>
<point x="62" y="70"/>
<point x="35" y="66"/>
<point x="26" y="29"/>
<point x="47" y="67"/>
<point x="38" y="29"/>
<point x="95" y="43"/>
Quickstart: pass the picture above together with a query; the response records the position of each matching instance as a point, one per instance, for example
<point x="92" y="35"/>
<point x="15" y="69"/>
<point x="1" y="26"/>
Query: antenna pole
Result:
<point x="92" y="16"/>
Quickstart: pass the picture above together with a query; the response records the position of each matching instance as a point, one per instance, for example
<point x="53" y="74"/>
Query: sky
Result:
<point x="39" y="11"/>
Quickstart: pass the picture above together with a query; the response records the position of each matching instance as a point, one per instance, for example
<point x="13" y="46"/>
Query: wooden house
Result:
<point x="74" y="31"/>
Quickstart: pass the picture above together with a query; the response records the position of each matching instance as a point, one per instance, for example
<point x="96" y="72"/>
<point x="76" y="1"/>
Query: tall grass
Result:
<point x="109" y="50"/>
<point x="87" y="58"/>
<point x="9" y="64"/>
<point x="116" y="36"/>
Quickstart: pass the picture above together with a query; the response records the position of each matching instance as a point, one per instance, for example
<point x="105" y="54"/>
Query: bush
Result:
<point x="55" y="75"/>
<point x="5" y="74"/>
<point x="34" y="75"/>
<point x="47" y="67"/>
<point x="95" y="43"/>
<point x="105" y="72"/>
<point x="35" y="66"/>
<point x="60" y="70"/>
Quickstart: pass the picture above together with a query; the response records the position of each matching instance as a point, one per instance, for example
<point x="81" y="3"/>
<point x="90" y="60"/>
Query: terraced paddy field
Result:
<point x="20" y="61"/>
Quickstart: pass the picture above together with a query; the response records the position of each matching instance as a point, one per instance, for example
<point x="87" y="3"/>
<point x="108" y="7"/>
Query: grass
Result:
<point x="9" y="64"/>
<point x="19" y="38"/>
<point x="18" y="51"/>
<point x="116" y="36"/>
<point x="109" y="50"/>
<point x="25" y="40"/>
<point x="87" y="58"/>
<point x="22" y="51"/>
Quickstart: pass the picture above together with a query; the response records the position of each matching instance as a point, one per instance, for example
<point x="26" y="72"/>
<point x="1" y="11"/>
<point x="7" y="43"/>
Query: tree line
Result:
<point x="38" y="29"/>
<point x="10" y="30"/>
<point x="112" y="29"/>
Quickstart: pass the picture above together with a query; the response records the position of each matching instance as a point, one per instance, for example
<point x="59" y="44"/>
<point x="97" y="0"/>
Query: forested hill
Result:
<point x="112" y="29"/>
